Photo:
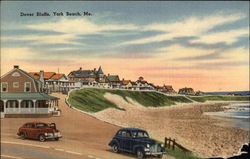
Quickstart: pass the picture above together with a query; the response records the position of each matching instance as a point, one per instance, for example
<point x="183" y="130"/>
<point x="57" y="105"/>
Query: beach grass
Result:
<point x="180" y="154"/>
<point x="219" y="98"/>
<point x="93" y="100"/>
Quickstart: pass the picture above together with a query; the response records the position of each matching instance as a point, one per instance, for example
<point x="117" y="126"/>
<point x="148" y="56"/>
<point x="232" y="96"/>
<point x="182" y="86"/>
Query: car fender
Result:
<point x="21" y="132"/>
<point x="114" y="141"/>
<point x="138" y="147"/>
<point x="42" y="133"/>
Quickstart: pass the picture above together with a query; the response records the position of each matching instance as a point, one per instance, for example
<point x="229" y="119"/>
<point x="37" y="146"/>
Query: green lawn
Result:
<point x="219" y="98"/>
<point x="92" y="100"/>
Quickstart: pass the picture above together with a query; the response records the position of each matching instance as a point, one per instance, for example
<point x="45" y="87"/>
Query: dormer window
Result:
<point x="27" y="87"/>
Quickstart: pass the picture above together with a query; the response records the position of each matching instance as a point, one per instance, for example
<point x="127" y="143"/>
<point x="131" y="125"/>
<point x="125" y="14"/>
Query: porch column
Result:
<point x="5" y="105"/>
<point x="19" y="105"/>
<point x="34" y="104"/>
<point x="29" y="105"/>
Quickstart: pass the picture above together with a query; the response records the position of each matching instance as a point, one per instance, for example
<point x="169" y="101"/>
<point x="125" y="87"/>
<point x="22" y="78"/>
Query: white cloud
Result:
<point x="227" y="36"/>
<point x="70" y="29"/>
<point x="52" y="39"/>
<point x="236" y="54"/>
<point x="192" y="26"/>
<point x="178" y="51"/>
<point x="46" y="39"/>
<point x="79" y="26"/>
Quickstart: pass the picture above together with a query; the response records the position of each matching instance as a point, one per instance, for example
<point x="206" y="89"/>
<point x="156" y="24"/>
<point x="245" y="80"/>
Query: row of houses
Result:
<point x="25" y="94"/>
<point x="55" y="82"/>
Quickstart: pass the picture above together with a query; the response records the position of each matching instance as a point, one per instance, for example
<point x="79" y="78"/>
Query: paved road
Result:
<point x="19" y="150"/>
<point x="16" y="151"/>
<point x="81" y="133"/>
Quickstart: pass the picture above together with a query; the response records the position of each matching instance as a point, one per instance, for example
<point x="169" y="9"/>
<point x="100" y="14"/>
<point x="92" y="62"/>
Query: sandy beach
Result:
<point x="187" y="124"/>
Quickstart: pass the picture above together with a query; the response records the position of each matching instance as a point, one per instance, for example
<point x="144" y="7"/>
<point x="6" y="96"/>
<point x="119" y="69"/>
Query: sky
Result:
<point x="199" y="44"/>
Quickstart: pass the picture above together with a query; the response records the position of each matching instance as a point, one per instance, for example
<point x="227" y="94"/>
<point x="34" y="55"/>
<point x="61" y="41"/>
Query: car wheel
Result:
<point x="22" y="136"/>
<point x="139" y="154"/>
<point x="57" y="139"/>
<point x="115" y="148"/>
<point x="42" y="138"/>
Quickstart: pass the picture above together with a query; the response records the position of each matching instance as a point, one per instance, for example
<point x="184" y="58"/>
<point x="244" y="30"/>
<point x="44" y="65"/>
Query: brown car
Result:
<point x="39" y="130"/>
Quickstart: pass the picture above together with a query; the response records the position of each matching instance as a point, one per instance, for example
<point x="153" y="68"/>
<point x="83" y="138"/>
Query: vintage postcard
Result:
<point x="124" y="79"/>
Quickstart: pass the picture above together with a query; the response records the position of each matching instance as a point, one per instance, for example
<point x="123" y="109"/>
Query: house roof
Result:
<point x="143" y="82"/>
<point x="125" y="82"/>
<point x="100" y="70"/>
<point x="113" y="78"/>
<point x="159" y="87"/>
<point x="151" y="84"/>
<point x="35" y="75"/>
<point x="46" y="75"/>
<point x="21" y="71"/>
<point x="26" y="96"/>
<point x="168" y="86"/>
<point x="133" y="83"/>
<point x="83" y="74"/>
<point x="27" y="74"/>
<point x="57" y="76"/>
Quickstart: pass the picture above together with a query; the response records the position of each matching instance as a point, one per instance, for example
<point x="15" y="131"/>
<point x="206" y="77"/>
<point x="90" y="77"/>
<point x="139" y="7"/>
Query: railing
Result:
<point x="171" y="144"/>
<point x="27" y="110"/>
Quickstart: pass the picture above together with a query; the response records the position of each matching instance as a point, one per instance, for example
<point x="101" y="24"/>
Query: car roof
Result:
<point x="35" y="122"/>
<point x="132" y="129"/>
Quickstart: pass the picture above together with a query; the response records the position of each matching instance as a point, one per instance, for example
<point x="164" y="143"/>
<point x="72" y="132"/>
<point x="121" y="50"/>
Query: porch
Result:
<point x="27" y="103"/>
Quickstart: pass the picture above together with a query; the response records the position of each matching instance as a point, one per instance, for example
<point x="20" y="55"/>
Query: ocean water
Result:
<point x="239" y="115"/>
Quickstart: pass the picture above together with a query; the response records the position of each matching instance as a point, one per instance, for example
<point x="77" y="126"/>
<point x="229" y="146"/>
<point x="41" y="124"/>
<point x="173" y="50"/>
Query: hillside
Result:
<point x="93" y="100"/>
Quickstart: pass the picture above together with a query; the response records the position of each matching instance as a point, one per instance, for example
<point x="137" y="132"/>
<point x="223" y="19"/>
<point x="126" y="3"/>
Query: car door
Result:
<point x="28" y="130"/>
<point x="127" y="141"/>
<point x="37" y="130"/>
<point x="121" y="135"/>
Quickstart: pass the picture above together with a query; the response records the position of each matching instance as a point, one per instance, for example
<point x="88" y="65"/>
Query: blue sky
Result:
<point x="167" y="42"/>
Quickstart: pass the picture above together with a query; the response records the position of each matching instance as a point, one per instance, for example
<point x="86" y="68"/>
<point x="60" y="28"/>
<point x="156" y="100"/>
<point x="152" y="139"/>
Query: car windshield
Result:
<point x="39" y="125"/>
<point x="140" y="134"/>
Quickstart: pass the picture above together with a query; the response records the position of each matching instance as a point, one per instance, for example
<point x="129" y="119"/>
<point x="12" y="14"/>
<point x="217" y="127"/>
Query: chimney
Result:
<point x="80" y="68"/>
<point x="16" y="66"/>
<point x="108" y="74"/>
<point x="94" y="69"/>
<point x="41" y="74"/>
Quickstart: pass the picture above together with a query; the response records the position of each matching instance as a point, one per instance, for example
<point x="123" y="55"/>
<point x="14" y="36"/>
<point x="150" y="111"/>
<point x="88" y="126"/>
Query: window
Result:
<point x="29" y="126"/>
<point x="15" y="84"/>
<point x="4" y="87"/>
<point x="27" y="87"/>
<point x="40" y="125"/>
<point x="125" y="134"/>
<point x="140" y="134"/>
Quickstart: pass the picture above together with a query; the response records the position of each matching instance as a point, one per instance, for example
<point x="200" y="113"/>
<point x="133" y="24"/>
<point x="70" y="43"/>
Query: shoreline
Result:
<point x="186" y="123"/>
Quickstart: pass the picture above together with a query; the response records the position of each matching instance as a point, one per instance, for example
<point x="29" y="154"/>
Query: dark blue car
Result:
<point x="136" y="141"/>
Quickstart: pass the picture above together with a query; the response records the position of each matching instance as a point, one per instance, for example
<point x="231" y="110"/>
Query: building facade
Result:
<point x="22" y="96"/>
<point x="53" y="82"/>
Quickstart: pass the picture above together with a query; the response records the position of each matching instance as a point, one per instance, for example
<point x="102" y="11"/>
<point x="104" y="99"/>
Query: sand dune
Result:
<point x="186" y="123"/>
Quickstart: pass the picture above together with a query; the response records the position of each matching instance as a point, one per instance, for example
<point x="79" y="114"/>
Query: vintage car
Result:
<point x="39" y="130"/>
<point x="136" y="141"/>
